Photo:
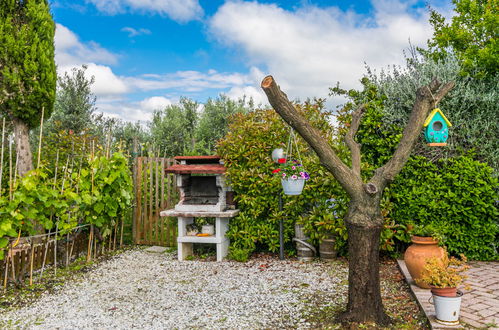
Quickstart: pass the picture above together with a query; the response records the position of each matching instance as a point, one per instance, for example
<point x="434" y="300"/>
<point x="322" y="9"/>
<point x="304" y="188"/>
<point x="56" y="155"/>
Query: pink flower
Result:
<point x="293" y="167"/>
<point x="294" y="177"/>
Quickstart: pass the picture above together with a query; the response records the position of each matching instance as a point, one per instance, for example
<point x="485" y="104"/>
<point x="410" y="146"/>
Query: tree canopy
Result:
<point x="471" y="35"/>
<point x="27" y="67"/>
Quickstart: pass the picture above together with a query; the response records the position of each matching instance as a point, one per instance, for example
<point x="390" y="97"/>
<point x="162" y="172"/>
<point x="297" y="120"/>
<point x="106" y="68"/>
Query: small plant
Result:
<point x="429" y="230"/>
<point x="237" y="254"/>
<point x="444" y="273"/>
<point x="290" y="170"/>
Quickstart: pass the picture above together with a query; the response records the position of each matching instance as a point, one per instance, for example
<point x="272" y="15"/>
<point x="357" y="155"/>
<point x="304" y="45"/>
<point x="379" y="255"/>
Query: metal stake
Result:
<point x="281" y="230"/>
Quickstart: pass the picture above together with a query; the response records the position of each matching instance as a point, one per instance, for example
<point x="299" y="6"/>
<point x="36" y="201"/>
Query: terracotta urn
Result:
<point x="415" y="256"/>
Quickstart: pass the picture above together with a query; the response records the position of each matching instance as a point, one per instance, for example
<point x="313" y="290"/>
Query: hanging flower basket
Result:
<point x="292" y="187"/>
<point x="291" y="172"/>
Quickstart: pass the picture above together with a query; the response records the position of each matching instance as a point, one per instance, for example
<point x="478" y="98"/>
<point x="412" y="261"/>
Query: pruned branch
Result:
<point x="279" y="101"/>
<point x="426" y="98"/>
<point x="350" y="141"/>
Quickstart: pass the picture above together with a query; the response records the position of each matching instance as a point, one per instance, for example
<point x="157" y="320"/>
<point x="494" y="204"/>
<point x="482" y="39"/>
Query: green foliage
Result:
<point x="27" y="67"/>
<point x="106" y="190"/>
<point x="471" y="35"/>
<point x="99" y="193"/>
<point x="172" y="129"/>
<point x="74" y="104"/>
<point x="240" y="255"/>
<point x="471" y="107"/>
<point x="456" y="196"/>
<point x="246" y="150"/>
<point x="213" y="120"/>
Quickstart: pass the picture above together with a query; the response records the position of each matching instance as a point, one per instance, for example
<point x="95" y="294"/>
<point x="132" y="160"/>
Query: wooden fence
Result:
<point x="154" y="191"/>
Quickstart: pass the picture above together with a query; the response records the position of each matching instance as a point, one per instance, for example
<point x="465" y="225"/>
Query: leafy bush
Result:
<point x="246" y="150"/>
<point x="70" y="199"/>
<point x="241" y="255"/>
<point x="456" y="196"/>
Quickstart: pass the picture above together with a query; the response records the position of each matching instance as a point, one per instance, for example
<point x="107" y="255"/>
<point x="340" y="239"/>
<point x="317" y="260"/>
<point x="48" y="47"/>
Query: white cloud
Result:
<point x="310" y="49"/>
<point x="135" y="32"/>
<point x="106" y="84"/>
<point x="155" y="103"/>
<point x="69" y="50"/>
<point x="188" y="81"/>
<point x="177" y="10"/>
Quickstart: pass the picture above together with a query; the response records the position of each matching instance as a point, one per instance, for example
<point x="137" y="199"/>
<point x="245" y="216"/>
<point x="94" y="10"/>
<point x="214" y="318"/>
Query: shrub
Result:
<point x="457" y="196"/>
<point x="246" y="151"/>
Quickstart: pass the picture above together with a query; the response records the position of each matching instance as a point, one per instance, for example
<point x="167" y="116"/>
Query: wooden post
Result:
<point x="135" y="190"/>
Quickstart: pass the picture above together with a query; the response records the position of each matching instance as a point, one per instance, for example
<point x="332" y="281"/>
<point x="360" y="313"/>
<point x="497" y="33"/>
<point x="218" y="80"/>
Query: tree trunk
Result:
<point x="23" y="148"/>
<point x="364" y="223"/>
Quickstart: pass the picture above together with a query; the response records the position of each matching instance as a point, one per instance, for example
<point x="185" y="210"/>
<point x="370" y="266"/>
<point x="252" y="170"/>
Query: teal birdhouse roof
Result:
<point x="437" y="112"/>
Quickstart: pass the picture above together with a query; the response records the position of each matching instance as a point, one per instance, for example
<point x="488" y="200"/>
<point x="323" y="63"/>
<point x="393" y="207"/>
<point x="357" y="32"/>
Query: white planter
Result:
<point x="208" y="229"/>
<point x="447" y="309"/>
<point x="292" y="187"/>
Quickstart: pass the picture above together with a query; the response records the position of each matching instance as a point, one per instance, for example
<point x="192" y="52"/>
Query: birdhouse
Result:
<point x="437" y="128"/>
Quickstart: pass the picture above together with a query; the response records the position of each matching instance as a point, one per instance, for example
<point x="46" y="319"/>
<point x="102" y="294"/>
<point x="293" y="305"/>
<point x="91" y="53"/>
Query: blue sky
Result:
<point x="146" y="54"/>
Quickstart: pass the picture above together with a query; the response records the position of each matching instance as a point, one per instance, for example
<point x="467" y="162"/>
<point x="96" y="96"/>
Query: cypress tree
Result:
<point x="27" y="69"/>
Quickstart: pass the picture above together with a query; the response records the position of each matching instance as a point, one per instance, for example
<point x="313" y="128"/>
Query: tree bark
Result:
<point x="23" y="148"/>
<point x="364" y="224"/>
<point x="364" y="220"/>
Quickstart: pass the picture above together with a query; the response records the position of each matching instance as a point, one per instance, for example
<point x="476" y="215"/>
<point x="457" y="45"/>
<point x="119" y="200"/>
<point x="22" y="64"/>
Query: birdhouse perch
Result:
<point x="437" y="129"/>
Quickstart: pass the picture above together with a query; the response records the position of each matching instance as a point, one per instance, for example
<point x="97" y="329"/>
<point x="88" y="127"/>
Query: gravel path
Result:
<point x="143" y="290"/>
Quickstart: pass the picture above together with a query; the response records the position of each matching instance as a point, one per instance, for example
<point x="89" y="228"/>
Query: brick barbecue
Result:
<point x="204" y="192"/>
<point x="202" y="184"/>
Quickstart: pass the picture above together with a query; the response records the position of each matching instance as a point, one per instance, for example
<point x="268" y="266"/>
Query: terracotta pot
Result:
<point x="415" y="256"/>
<point x="444" y="292"/>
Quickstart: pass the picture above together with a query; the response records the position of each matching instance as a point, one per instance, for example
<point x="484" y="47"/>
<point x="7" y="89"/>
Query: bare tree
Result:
<point x="363" y="220"/>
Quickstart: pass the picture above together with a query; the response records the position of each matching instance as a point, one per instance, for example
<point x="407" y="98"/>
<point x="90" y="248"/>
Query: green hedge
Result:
<point x="457" y="196"/>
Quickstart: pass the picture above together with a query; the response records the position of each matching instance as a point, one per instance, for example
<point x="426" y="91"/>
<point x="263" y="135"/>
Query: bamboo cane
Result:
<point x="10" y="168"/>
<point x="121" y="235"/>
<point x="1" y="157"/>
<point x="55" y="248"/>
<point x="6" y="276"/>
<point x="90" y="238"/>
<point x="31" y="263"/>
<point x="15" y="169"/>
<point x="40" y="139"/>
<point x="115" y="234"/>
<point x="45" y="252"/>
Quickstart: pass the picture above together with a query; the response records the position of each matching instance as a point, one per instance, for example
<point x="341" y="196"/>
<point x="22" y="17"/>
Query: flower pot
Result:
<point x="415" y="256"/>
<point x="327" y="248"/>
<point x="447" y="309"/>
<point x="208" y="229"/>
<point x="292" y="187"/>
<point x="444" y="292"/>
<point x="304" y="250"/>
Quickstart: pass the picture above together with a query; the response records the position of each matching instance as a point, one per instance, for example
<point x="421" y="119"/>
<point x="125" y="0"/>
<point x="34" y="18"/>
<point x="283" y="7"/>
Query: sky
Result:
<point x="147" y="54"/>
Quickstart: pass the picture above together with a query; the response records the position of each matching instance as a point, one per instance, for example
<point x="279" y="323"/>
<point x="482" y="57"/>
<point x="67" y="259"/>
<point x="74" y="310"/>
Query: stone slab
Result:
<point x="156" y="249"/>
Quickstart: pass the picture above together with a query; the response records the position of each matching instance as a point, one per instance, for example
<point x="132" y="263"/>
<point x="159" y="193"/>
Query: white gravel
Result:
<point x="143" y="290"/>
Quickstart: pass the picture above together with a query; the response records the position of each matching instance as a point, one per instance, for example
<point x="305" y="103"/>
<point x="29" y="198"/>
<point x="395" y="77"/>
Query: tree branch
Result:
<point x="350" y="141"/>
<point x="426" y="98"/>
<point x="279" y="101"/>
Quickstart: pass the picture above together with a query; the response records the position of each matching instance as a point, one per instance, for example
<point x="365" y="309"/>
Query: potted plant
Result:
<point x="293" y="176"/>
<point x="425" y="245"/>
<point x="444" y="277"/>
<point x="191" y="230"/>
<point x="206" y="225"/>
